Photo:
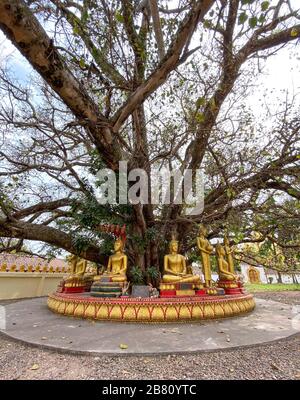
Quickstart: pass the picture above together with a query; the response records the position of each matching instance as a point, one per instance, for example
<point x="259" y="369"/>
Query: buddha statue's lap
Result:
<point x="180" y="278"/>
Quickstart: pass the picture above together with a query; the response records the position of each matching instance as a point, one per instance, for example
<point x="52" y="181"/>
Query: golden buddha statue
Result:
<point x="175" y="270"/>
<point x="223" y="266"/>
<point x="117" y="265"/>
<point x="3" y="267"/>
<point x="78" y="267"/>
<point x="229" y="257"/>
<point x="206" y="250"/>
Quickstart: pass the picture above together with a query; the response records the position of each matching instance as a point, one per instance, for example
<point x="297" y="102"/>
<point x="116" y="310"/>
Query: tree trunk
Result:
<point x="279" y="277"/>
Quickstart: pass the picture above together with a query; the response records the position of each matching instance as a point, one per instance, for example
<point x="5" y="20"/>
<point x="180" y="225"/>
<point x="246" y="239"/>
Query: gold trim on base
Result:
<point x="153" y="310"/>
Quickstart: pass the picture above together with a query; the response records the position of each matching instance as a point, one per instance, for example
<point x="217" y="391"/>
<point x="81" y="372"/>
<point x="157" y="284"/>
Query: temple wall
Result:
<point x="17" y="285"/>
<point x="264" y="275"/>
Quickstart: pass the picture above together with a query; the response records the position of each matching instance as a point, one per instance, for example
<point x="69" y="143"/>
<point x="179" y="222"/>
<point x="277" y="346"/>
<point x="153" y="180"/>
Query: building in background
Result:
<point x="259" y="274"/>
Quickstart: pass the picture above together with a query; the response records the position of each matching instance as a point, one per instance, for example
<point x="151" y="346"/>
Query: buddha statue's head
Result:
<point x="118" y="245"/>
<point x="202" y="231"/>
<point x="173" y="246"/>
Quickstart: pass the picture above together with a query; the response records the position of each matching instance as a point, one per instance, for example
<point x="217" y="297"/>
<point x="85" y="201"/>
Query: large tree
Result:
<point x="137" y="81"/>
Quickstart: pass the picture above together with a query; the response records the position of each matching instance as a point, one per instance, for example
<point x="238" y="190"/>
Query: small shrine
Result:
<point x="181" y="296"/>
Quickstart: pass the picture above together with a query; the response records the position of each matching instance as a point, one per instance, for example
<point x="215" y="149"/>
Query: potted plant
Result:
<point x="137" y="278"/>
<point x="153" y="276"/>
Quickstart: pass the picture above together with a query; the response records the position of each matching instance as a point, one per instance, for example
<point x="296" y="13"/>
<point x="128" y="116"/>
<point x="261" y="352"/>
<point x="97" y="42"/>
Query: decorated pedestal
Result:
<point x="151" y="310"/>
<point x="106" y="288"/>
<point x="182" y="295"/>
<point x="187" y="289"/>
<point x="76" y="285"/>
<point x="231" y="287"/>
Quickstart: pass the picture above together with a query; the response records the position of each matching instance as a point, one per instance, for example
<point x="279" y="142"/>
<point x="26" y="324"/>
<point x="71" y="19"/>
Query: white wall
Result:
<point x="286" y="278"/>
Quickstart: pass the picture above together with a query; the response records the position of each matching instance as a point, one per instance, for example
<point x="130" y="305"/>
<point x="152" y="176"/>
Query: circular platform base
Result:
<point x="31" y="322"/>
<point x="155" y="310"/>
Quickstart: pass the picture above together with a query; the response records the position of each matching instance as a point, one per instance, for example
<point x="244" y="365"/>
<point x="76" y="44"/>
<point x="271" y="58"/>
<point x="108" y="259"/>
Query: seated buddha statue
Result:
<point x="78" y="268"/>
<point x="175" y="270"/>
<point x="223" y="266"/>
<point x="117" y="265"/>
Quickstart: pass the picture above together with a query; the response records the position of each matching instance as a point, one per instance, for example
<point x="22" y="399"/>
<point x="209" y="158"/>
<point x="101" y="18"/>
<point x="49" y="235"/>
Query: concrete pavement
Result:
<point x="30" y="321"/>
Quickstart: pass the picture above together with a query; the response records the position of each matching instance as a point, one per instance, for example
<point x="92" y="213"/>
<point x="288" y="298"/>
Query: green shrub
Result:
<point x="136" y="276"/>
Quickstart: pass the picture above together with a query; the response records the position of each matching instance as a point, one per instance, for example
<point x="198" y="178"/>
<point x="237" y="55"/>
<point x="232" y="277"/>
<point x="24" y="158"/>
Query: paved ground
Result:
<point x="31" y="321"/>
<point x="278" y="360"/>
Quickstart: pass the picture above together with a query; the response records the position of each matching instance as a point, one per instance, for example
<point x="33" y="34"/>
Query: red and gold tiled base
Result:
<point x="74" y="289"/>
<point x="149" y="310"/>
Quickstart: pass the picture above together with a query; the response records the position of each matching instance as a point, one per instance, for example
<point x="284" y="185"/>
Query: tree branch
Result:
<point x="159" y="76"/>
<point x="52" y="236"/>
<point x="26" y="33"/>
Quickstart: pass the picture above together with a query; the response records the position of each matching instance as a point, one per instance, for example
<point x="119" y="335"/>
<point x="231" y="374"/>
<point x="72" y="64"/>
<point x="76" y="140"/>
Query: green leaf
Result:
<point x="200" y="117"/>
<point x="262" y="18"/>
<point x="212" y="104"/>
<point x="200" y="102"/>
<point x="119" y="17"/>
<point x="76" y="30"/>
<point x="84" y="16"/>
<point x="95" y="53"/>
<point x="230" y="193"/>
<point x="294" y="32"/>
<point x="265" y="5"/>
<point x="292" y="192"/>
<point x="207" y="23"/>
<point x="82" y="63"/>
<point x="253" y="22"/>
<point x="242" y="18"/>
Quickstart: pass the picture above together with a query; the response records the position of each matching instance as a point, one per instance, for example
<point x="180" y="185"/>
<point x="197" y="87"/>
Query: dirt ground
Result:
<point x="277" y="360"/>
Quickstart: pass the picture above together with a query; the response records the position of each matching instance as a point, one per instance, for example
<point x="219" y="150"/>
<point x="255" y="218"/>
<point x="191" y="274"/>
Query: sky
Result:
<point x="281" y="73"/>
<point x="9" y="54"/>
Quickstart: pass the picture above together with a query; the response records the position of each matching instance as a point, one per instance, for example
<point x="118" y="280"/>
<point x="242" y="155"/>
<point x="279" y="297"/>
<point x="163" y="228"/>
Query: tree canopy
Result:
<point x="156" y="83"/>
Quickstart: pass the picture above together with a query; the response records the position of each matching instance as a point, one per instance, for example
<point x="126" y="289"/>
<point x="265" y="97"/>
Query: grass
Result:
<point x="274" y="287"/>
